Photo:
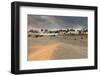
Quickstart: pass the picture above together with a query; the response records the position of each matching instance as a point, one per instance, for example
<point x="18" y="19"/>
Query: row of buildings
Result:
<point x="57" y="32"/>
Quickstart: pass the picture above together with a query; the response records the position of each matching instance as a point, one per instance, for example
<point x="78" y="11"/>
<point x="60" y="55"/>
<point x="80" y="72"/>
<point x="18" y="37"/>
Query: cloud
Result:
<point x="52" y="22"/>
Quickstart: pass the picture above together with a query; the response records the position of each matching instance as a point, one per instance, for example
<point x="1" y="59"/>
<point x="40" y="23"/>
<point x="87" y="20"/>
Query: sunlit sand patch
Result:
<point x="41" y="52"/>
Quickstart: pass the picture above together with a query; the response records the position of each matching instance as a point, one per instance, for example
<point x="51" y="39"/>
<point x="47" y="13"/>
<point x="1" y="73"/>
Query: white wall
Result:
<point x="5" y="27"/>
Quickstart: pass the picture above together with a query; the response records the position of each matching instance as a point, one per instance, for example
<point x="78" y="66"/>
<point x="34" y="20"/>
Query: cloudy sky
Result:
<point x="56" y="22"/>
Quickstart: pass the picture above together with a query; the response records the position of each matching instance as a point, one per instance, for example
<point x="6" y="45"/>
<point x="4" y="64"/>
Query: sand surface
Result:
<point x="52" y="48"/>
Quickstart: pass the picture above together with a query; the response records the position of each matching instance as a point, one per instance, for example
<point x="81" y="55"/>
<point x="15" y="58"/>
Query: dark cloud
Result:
<point x="56" y="22"/>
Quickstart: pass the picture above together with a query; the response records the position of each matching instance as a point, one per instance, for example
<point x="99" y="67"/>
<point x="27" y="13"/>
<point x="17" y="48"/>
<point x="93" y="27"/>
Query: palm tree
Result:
<point x="85" y="30"/>
<point x="72" y="30"/>
<point x="46" y="30"/>
<point x="79" y="32"/>
<point x="33" y="31"/>
<point x="67" y="30"/>
<point x="41" y="30"/>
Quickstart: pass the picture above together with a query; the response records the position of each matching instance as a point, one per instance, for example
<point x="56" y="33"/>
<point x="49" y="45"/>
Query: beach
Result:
<point x="57" y="47"/>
